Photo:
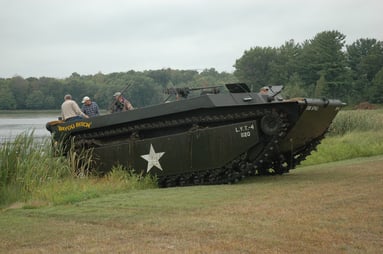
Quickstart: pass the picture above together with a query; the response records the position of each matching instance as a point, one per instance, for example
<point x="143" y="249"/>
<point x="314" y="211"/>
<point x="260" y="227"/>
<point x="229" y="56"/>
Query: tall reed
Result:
<point x="26" y="164"/>
<point x="32" y="170"/>
<point x="356" y="120"/>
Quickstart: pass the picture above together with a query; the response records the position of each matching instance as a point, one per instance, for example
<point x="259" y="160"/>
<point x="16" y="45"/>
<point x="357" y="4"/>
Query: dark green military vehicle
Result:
<point x="213" y="138"/>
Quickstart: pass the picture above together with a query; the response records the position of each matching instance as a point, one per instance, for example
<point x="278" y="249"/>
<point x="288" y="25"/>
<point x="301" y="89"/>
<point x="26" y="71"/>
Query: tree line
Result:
<point x="146" y="88"/>
<point x="323" y="66"/>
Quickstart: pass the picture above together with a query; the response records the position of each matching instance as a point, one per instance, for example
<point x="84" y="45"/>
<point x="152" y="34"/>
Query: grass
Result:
<point x="353" y="133"/>
<point x="30" y="173"/>
<point x="25" y="165"/>
<point x="357" y="121"/>
<point x="75" y="189"/>
<point x="332" y="208"/>
<point x="350" y="145"/>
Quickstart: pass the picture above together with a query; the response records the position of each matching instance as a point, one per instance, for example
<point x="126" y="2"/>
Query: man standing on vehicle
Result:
<point x="70" y="111"/>
<point x="89" y="107"/>
<point x="264" y="90"/>
<point x="120" y="103"/>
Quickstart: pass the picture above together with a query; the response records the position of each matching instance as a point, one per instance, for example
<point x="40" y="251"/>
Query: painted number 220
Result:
<point x="245" y="134"/>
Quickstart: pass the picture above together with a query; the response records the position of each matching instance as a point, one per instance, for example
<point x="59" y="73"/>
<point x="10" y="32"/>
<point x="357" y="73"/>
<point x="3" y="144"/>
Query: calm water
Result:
<point x="13" y="123"/>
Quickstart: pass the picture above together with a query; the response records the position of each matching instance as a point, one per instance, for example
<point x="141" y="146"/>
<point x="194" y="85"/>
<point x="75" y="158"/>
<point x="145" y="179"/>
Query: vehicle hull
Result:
<point x="204" y="140"/>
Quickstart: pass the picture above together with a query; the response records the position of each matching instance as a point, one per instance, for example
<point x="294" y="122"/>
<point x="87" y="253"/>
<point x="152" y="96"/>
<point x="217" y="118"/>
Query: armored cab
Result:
<point x="213" y="138"/>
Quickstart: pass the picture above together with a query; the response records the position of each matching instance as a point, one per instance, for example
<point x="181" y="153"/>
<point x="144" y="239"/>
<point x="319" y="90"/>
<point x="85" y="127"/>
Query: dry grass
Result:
<point x="332" y="208"/>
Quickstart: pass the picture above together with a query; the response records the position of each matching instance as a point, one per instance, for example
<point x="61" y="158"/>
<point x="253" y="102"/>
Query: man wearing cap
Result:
<point x="70" y="111"/>
<point x="264" y="90"/>
<point x="120" y="103"/>
<point x="89" y="107"/>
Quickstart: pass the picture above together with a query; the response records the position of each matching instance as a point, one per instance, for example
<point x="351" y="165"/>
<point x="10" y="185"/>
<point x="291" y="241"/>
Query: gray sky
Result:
<point x="54" y="38"/>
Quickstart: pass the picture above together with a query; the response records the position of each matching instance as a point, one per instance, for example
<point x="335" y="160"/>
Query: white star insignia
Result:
<point x="153" y="159"/>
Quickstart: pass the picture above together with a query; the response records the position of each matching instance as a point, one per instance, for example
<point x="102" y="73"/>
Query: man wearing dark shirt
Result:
<point x="120" y="103"/>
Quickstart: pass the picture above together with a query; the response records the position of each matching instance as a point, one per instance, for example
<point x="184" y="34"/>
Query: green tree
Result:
<point x="295" y="88"/>
<point x="52" y="91"/>
<point x="211" y="77"/>
<point x="7" y="100"/>
<point x="145" y="92"/>
<point x="376" y="90"/>
<point x="286" y="63"/>
<point x="365" y="59"/>
<point x="20" y="90"/>
<point x="161" y="77"/>
<point x="320" y="86"/>
<point x="323" y="55"/>
<point x="35" y="100"/>
<point x="255" y="66"/>
<point x="268" y="66"/>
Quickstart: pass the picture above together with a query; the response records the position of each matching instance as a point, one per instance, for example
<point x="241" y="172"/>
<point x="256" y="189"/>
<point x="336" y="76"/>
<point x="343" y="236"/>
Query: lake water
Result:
<point x="13" y="123"/>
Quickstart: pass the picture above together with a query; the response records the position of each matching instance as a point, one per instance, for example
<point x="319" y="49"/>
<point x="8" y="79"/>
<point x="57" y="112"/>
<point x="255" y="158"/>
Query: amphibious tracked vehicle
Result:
<point x="213" y="138"/>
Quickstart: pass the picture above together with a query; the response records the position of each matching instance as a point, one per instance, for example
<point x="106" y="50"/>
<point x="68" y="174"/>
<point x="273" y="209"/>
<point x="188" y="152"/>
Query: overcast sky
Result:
<point x="54" y="38"/>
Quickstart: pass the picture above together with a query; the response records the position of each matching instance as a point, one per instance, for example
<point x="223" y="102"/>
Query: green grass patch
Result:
<point x="31" y="173"/>
<point x="350" y="145"/>
<point x="72" y="190"/>
<point x="356" y="120"/>
<point x="25" y="165"/>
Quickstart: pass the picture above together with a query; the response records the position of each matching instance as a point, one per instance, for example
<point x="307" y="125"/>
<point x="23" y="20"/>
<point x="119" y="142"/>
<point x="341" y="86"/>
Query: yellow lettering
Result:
<point x="74" y="126"/>
<point x="66" y="128"/>
<point x="83" y="124"/>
